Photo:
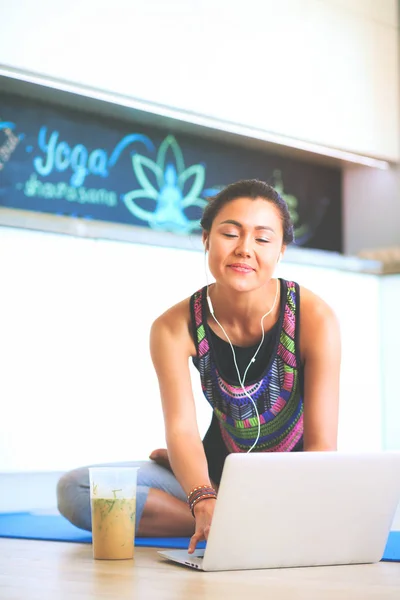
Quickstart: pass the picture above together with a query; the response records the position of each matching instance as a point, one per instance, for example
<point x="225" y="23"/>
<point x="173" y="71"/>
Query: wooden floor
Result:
<point x="32" y="570"/>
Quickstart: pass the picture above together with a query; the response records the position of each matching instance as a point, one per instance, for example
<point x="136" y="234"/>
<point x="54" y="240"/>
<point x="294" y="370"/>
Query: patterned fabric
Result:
<point x="277" y="395"/>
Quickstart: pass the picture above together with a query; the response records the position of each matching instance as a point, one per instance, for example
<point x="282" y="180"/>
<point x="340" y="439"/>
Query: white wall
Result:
<point x="324" y="71"/>
<point x="371" y="208"/>
<point x="390" y="325"/>
<point x="77" y="384"/>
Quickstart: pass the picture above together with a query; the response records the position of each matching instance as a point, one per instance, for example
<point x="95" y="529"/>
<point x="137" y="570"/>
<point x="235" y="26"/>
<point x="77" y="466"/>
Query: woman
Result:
<point x="269" y="370"/>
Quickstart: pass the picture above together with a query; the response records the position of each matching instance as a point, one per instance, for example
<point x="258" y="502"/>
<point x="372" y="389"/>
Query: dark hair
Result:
<point x="248" y="188"/>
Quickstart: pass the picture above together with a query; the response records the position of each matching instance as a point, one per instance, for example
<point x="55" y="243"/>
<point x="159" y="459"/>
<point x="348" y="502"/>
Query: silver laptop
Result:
<point x="300" y="509"/>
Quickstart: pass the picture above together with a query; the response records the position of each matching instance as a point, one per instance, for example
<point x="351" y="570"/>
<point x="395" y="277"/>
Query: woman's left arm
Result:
<point x="320" y="349"/>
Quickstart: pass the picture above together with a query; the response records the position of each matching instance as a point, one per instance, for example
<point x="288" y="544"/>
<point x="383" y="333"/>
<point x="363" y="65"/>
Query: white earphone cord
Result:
<point x="241" y="381"/>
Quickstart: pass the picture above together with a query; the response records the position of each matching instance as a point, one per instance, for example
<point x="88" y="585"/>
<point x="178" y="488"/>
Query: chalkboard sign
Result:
<point x="62" y="162"/>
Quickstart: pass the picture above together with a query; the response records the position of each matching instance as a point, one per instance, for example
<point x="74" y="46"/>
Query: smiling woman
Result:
<point x="269" y="370"/>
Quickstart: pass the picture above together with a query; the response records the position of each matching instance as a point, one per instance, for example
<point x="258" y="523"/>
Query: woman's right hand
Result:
<point x="203" y="513"/>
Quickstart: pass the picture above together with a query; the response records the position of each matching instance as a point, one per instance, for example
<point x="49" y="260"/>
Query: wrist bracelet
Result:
<point x="204" y="497"/>
<point x="203" y="492"/>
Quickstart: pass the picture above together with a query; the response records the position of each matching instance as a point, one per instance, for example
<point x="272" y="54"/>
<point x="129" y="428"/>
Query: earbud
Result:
<point x="279" y="257"/>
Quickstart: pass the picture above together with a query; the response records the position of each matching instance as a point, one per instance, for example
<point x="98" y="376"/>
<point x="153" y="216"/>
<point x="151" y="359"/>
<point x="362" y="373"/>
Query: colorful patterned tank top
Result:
<point x="278" y="393"/>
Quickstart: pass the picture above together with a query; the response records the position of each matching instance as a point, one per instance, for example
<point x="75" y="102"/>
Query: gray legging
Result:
<point x="73" y="494"/>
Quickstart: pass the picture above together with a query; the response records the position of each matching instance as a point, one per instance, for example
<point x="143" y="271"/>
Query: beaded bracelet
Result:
<point x="203" y="492"/>
<point x="201" y="489"/>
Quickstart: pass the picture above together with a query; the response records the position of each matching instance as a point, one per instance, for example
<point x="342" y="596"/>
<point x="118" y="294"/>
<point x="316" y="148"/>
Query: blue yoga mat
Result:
<point x="55" y="528"/>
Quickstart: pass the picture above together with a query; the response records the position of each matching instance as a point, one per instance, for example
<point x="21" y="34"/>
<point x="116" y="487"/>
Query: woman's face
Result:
<point x="245" y="243"/>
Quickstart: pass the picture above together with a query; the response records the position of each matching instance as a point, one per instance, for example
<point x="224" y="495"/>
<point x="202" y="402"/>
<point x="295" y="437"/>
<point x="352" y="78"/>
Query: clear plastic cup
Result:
<point x="113" y="505"/>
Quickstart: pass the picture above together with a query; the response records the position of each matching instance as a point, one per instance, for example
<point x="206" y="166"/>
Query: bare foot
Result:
<point x="160" y="456"/>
